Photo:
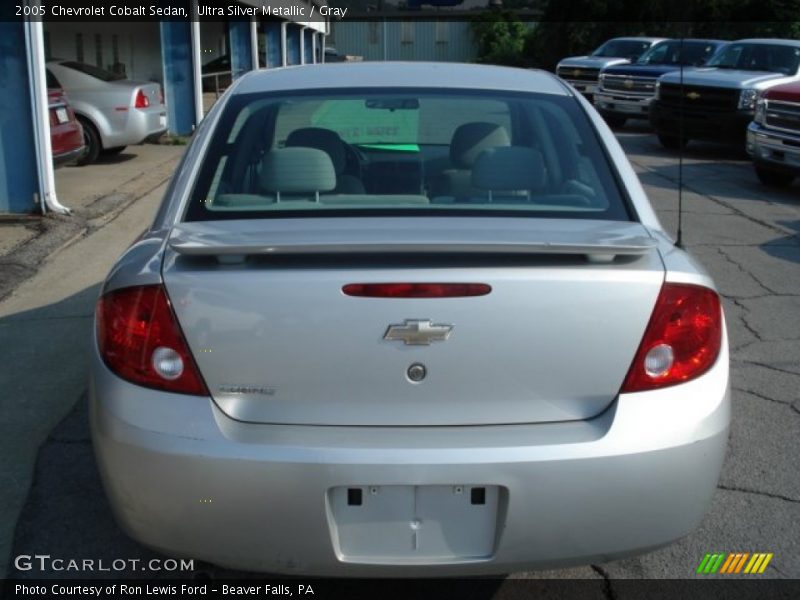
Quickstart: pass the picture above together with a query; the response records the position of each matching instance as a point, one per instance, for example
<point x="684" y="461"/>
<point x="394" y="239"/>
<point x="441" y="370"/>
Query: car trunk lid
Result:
<point x="262" y="306"/>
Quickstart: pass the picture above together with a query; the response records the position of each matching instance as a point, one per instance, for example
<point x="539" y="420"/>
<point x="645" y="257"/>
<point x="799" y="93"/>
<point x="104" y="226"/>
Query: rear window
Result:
<point x="92" y="71"/>
<point x="777" y="58"/>
<point x="622" y="49"/>
<point x="362" y="121"/>
<point x="52" y="82"/>
<point x="676" y="52"/>
<point x="405" y="152"/>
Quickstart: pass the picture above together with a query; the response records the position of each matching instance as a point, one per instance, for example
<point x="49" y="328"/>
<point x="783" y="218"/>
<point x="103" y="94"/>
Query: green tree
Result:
<point x="501" y="38"/>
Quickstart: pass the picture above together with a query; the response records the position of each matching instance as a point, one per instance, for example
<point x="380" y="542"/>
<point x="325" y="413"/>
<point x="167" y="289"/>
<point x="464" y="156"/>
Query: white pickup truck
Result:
<point x="582" y="71"/>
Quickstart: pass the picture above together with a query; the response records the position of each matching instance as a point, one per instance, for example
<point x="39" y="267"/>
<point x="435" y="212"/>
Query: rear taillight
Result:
<point x="682" y="339"/>
<point x="140" y="340"/>
<point x="141" y="100"/>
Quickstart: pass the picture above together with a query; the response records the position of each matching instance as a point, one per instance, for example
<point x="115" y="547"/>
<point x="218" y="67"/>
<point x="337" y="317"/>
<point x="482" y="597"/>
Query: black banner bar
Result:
<point x="732" y="588"/>
<point x="780" y="12"/>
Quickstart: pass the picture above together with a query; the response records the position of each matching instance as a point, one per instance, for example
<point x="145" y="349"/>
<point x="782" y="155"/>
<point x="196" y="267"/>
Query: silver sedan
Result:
<point x="407" y="319"/>
<point x="115" y="112"/>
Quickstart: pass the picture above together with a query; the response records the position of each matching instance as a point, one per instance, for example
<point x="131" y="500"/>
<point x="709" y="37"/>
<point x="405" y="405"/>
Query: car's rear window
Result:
<point x="777" y="58"/>
<point x="622" y="48"/>
<point x="676" y="52"/>
<point x="92" y="71"/>
<point x="52" y="82"/>
<point x="357" y="151"/>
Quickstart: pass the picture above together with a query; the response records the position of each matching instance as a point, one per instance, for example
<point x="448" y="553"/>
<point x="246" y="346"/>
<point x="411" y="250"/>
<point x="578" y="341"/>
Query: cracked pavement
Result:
<point x="746" y="235"/>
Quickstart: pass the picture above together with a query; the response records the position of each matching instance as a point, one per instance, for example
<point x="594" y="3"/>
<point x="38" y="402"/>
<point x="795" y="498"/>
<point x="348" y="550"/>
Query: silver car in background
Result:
<point x="407" y="319"/>
<point x="115" y="112"/>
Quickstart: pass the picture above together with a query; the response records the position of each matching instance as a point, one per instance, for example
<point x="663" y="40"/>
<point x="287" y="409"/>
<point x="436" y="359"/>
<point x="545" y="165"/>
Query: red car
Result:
<point x="66" y="134"/>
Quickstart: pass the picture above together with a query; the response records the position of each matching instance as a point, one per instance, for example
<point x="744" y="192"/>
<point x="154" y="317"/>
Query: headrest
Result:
<point x="322" y="139"/>
<point x="470" y="139"/>
<point x="297" y="170"/>
<point x="509" y="168"/>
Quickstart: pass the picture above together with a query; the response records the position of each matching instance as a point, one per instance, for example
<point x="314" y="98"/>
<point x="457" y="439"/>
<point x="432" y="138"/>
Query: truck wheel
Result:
<point x="92" y="141"/>
<point x="615" y="120"/>
<point x="672" y="142"/>
<point x="773" y="178"/>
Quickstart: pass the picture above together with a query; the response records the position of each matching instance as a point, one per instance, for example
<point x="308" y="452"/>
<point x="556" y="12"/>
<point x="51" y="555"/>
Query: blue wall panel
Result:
<point x="293" y="44"/>
<point x="19" y="178"/>
<point x="272" y="34"/>
<point x="241" y="55"/>
<point x="176" y="55"/>
<point x="308" y="49"/>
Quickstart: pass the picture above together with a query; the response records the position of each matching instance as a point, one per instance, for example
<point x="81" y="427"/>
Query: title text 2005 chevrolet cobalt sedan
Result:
<point x="407" y="319"/>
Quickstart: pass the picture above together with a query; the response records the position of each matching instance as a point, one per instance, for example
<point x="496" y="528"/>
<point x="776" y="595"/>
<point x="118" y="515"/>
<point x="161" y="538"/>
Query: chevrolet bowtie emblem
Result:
<point x="418" y="332"/>
<point x="692" y="95"/>
<point x="576" y="73"/>
<point x="628" y="83"/>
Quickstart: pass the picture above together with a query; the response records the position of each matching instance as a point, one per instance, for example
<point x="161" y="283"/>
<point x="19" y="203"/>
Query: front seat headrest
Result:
<point x="297" y="170"/>
<point x="509" y="168"/>
<point x="470" y="139"/>
<point x="323" y="139"/>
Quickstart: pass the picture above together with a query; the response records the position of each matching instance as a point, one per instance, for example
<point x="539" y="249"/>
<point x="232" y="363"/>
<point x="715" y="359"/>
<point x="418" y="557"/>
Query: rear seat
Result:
<point x="303" y="175"/>
<point x="468" y="142"/>
<point x="509" y="171"/>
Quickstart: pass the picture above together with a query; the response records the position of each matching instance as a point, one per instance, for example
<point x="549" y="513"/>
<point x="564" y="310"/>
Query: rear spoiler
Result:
<point x="599" y="241"/>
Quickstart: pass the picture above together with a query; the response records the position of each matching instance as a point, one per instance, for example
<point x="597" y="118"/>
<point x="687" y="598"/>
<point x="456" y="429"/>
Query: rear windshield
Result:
<point x="410" y="152"/>
<point x="92" y="71"/>
<point x="777" y="58"/>
<point x="52" y="82"/>
<point x="675" y="52"/>
<point x="631" y="49"/>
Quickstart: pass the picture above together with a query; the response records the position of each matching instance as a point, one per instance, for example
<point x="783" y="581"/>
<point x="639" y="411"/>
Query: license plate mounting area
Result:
<point x="407" y="524"/>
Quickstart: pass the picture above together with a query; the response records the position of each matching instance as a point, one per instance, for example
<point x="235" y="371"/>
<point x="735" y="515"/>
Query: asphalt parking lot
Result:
<point x="746" y="235"/>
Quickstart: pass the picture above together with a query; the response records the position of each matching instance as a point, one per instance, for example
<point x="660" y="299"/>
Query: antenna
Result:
<point x="679" y="234"/>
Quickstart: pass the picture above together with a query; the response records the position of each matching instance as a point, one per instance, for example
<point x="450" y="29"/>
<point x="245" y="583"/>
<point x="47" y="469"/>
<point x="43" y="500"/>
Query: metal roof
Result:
<point x="400" y="74"/>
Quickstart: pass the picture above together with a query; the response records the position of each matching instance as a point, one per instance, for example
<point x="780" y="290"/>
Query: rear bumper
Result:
<point x="69" y="156"/>
<point x="66" y="140"/>
<point x="186" y="480"/>
<point x="634" y="107"/>
<point x="140" y="125"/>
<point x="698" y="124"/>
<point x="777" y="150"/>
